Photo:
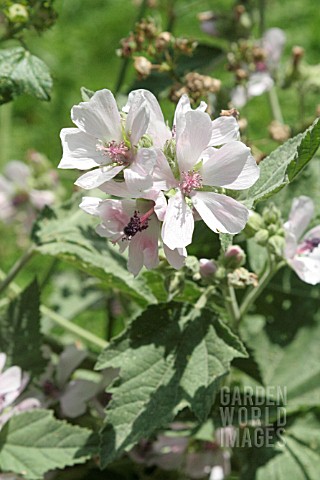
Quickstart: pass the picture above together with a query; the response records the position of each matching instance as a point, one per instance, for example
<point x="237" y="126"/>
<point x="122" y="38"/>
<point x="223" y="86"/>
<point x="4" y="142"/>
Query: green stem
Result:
<point x="255" y="292"/>
<point x="61" y="321"/>
<point x="16" y="268"/>
<point x="275" y="105"/>
<point x="202" y="301"/>
<point x="232" y="305"/>
<point x="5" y="132"/>
<point x="262" y="8"/>
<point x="125" y="61"/>
<point x="72" y="327"/>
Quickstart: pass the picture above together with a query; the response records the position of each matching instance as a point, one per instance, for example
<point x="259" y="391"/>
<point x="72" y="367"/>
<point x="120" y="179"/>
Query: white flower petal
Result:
<point x="138" y="175"/>
<point x="224" y="130"/>
<point x="307" y="268"/>
<point x="3" y="359"/>
<point x="182" y="108"/>
<point x="290" y="245"/>
<point x="143" y="248"/>
<point x="193" y="140"/>
<point x="231" y="166"/>
<point x="69" y="360"/>
<point x="90" y="205"/>
<point x="259" y="83"/>
<point x="273" y="42"/>
<point x="97" y="177"/>
<point x="176" y="257"/>
<point x="178" y="225"/>
<point x="18" y="172"/>
<point x="10" y="380"/>
<point x="137" y="123"/>
<point x="239" y="96"/>
<point x="312" y="234"/>
<point x="157" y="127"/>
<point x="99" y="117"/>
<point x="79" y="150"/>
<point x="222" y="214"/>
<point x="162" y="173"/>
<point x="302" y="211"/>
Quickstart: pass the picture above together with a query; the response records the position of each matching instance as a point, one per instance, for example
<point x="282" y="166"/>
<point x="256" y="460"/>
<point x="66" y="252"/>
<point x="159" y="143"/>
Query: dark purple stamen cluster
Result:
<point x="309" y="245"/>
<point x="134" y="226"/>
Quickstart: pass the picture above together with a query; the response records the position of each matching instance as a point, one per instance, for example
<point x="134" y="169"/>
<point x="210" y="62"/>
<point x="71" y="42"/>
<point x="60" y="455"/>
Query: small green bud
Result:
<point x="271" y="215"/>
<point x="277" y="244"/>
<point x="254" y="224"/>
<point x="18" y="13"/>
<point x="262" y="237"/>
<point x="272" y="229"/>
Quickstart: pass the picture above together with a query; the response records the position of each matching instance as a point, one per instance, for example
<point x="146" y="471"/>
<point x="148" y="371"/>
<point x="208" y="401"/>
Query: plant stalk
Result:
<point x="20" y="263"/>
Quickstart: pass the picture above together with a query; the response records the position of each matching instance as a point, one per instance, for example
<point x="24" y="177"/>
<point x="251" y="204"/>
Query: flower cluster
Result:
<point x="163" y="179"/>
<point x="27" y="189"/>
<point x="255" y="65"/>
<point x="12" y="383"/>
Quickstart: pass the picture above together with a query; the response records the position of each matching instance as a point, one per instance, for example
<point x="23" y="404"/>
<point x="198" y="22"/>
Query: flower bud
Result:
<point x="18" y="13"/>
<point x="261" y="237"/>
<point x="143" y="66"/>
<point x="207" y="267"/>
<point x="277" y="244"/>
<point x="234" y="257"/>
<point x="254" y="224"/>
<point x="278" y="131"/>
<point x="241" y="278"/>
<point x="271" y="215"/>
<point x="163" y="40"/>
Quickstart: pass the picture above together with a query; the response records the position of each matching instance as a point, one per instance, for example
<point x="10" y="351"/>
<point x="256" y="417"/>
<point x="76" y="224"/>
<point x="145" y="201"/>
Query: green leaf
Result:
<point x="289" y="341"/>
<point x="20" y="336"/>
<point x="297" y="456"/>
<point x="172" y="356"/>
<point x="86" y="94"/>
<point x="284" y="164"/>
<point x="68" y="233"/>
<point x="22" y="73"/>
<point x="34" y="442"/>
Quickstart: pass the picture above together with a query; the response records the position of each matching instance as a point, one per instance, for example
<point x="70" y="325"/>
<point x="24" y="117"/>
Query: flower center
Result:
<point x="118" y="152"/>
<point x="137" y="224"/>
<point x="190" y="181"/>
<point x="308" y="246"/>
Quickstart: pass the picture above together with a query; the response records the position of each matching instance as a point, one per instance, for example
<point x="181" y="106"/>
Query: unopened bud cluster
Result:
<point x="267" y="229"/>
<point x="153" y="49"/>
<point x="196" y="86"/>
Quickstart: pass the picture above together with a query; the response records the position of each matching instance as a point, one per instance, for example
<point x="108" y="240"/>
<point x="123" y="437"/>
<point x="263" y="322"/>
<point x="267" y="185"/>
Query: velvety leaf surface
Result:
<point x="34" y="442"/>
<point x="170" y="357"/>
<point x="23" y="73"/>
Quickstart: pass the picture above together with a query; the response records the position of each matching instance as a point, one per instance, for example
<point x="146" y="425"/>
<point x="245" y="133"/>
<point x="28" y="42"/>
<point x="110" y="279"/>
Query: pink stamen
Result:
<point x="118" y="152"/>
<point x="190" y="181"/>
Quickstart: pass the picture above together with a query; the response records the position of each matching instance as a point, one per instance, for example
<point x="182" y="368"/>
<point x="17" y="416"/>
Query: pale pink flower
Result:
<point x="106" y="143"/>
<point x="12" y="383"/>
<point x="302" y="250"/>
<point x="262" y="79"/>
<point x="199" y="166"/>
<point x="133" y="224"/>
<point x="207" y="267"/>
<point x="17" y="190"/>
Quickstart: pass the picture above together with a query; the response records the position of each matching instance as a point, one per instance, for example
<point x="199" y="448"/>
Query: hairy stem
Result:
<point x="20" y="263"/>
<point x="5" y="132"/>
<point x="232" y="305"/>
<point x="61" y="321"/>
<point x="275" y="105"/>
<point x="255" y="292"/>
<point x="125" y="61"/>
